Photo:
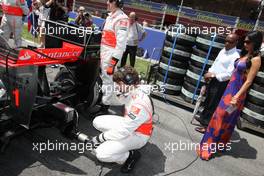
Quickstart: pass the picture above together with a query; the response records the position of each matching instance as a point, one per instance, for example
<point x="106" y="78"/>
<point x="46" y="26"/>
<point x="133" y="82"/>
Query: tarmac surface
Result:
<point x="160" y="156"/>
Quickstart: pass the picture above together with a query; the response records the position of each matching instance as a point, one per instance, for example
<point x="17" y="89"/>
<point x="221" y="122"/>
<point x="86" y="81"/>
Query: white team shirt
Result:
<point x="135" y="31"/>
<point x="223" y="65"/>
<point x="138" y="109"/>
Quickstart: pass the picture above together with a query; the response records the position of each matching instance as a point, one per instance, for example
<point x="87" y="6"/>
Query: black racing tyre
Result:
<point x="196" y="70"/>
<point x="196" y="63"/>
<point x="255" y="108"/>
<point x="198" y="58"/>
<point x="258" y="88"/>
<point x="173" y="72"/>
<point x="178" y="46"/>
<point x="256" y="95"/>
<point x="203" y="42"/>
<point x="183" y="39"/>
<point x="193" y="78"/>
<point x="169" y="89"/>
<point x="95" y="94"/>
<point x="66" y="79"/>
<point x="203" y="54"/>
<point x="171" y="92"/>
<point x="239" y="124"/>
<point x="68" y="85"/>
<point x="260" y="78"/>
<point x="252" y="117"/>
<point x="190" y="87"/>
<point x="180" y="53"/>
<point x="160" y="77"/>
<point x="174" y="63"/>
<point x="140" y="52"/>
<point x="187" y="92"/>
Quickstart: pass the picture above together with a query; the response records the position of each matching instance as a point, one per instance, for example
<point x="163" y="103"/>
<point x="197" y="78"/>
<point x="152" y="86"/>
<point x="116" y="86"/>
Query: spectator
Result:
<point x="33" y="18"/>
<point x="218" y="77"/>
<point x="136" y="34"/>
<point x="88" y="22"/>
<point x="96" y="13"/>
<point x="58" y="12"/>
<point x="42" y="10"/>
<point x="80" y="18"/>
<point x="145" y="23"/>
<point x="224" y="119"/>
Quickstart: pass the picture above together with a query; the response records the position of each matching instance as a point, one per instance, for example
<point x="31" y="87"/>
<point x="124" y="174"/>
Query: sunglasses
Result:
<point x="247" y="41"/>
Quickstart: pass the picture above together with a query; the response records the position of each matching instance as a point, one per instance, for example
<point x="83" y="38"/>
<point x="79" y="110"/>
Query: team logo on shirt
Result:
<point x="123" y="25"/>
<point x="134" y="112"/>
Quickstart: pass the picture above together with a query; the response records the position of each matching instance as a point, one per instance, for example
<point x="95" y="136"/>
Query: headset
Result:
<point x="119" y="3"/>
<point x="127" y="78"/>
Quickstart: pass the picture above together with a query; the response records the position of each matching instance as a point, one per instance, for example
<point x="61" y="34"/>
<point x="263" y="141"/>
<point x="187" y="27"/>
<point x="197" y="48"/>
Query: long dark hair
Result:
<point x="256" y="38"/>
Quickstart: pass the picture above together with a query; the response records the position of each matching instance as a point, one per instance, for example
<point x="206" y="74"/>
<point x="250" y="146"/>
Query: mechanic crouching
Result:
<point x="122" y="136"/>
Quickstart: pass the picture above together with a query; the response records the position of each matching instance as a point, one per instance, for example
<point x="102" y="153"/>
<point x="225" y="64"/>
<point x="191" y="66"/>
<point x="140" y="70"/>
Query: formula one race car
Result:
<point x="28" y="100"/>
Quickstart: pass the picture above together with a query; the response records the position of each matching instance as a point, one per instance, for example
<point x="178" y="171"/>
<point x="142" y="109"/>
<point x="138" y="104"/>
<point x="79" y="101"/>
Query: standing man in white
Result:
<point x="113" y="45"/>
<point x="136" y="34"/>
<point x="12" y="20"/>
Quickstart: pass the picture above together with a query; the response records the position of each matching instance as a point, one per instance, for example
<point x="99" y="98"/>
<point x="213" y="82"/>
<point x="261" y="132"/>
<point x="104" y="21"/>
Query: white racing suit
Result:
<point x="13" y="10"/>
<point x="113" y="45"/>
<point x="125" y="133"/>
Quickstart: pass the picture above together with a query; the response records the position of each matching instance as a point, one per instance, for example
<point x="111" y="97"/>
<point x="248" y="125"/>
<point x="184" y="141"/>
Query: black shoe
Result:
<point x="134" y="156"/>
<point x="198" y="118"/>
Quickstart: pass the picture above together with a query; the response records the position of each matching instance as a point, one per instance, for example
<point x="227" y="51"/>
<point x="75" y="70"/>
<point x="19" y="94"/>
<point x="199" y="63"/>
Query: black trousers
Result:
<point x="132" y="51"/>
<point x="214" y="93"/>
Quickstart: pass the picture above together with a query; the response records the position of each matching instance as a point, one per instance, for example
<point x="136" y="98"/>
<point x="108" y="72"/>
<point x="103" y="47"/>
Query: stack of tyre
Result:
<point x="198" y="58"/>
<point x="253" y="111"/>
<point x="179" y="62"/>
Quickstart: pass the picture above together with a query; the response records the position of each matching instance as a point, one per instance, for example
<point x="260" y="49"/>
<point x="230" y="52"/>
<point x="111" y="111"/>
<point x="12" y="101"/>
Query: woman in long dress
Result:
<point x="224" y="119"/>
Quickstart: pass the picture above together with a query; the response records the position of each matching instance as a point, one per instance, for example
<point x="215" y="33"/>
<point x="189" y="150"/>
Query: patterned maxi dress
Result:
<point x="222" y="123"/>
